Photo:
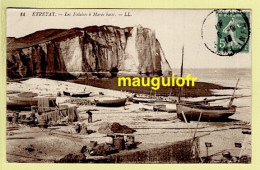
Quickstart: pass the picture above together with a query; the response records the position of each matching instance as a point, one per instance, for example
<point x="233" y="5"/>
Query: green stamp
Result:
<point x="233" y="31"/>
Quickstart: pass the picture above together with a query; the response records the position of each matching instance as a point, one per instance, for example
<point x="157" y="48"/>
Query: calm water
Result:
<point x="226" y="77"/>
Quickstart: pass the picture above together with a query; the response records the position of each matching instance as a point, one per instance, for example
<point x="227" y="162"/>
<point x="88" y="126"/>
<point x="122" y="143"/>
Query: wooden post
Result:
<point x="197" y="126"/>
<point x="196" y="147"/>
<point x="180" y="91"/>
<point x="232" y="98"/>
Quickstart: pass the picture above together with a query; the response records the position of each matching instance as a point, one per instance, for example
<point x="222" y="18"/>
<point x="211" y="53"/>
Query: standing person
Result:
<point x="33" y="117"/>
<point x="77" y="128"/>
<point x="15" y="117"/>
<point x="205" y="101"/>
<point x="89" y="116"/>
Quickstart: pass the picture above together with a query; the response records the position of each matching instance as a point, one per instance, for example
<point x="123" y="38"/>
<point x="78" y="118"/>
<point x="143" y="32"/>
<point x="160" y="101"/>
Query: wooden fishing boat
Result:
<point x="192" y="110"/>
<point x="143" y="100"/>
<point x="24" y="103"/>
<point x="77" y="94"/>
<point x="111" y="102"/>
<point x="202" y="109"/>
<point x="208" y="113"/>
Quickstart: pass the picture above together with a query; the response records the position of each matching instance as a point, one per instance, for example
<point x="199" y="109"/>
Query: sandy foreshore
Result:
<point x="55" y="142"/>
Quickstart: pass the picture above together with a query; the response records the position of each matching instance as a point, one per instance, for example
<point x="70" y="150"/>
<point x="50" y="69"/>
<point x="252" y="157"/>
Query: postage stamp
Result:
<point x="232" y="30"/>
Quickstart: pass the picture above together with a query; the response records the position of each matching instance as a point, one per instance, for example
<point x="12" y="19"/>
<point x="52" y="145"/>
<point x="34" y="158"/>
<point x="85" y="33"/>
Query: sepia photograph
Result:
<point x="135" y="86"/>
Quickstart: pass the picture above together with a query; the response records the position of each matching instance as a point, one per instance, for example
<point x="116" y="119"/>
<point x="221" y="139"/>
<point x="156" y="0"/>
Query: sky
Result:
<point x="173" y="28"/>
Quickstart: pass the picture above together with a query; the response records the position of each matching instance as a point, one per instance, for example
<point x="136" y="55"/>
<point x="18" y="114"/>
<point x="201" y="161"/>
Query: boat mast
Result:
<point x="180" y="89"/>
<point x="232" y="98"/>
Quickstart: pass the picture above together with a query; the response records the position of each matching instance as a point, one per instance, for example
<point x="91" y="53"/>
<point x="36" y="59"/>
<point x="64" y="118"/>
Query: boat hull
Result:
<point x="143" y="100"/>
<point x="76" y="94"/>
<point x="193" y="113"/>
<point x="18" y="103"/>
<point x="111" y="103"/>
<point x="24" y="103"/>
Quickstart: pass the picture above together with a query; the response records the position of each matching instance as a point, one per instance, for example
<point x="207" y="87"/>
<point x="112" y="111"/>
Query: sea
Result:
<point x="228" y="77"/>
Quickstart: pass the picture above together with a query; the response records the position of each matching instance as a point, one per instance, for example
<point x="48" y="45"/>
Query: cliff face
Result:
<point x="91" y="49"/>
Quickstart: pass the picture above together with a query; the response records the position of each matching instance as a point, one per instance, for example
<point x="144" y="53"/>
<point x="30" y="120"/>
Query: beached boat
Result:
<point x="77" y="94"/>
<point x="16" y="102"/>
<point x="111" y="102"/>
<point x="192" y="110"/>
<point x="202" y="109"/>
<point x="143" y="100"/>
<point x="26" y="101"/>
<point x="208" y="113"/>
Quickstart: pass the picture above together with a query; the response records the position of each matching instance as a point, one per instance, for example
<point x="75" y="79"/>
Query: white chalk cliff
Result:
<point x="90" y="49"/>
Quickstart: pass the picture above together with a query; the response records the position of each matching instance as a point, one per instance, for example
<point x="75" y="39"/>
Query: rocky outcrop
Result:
<point x="90" y="49"/>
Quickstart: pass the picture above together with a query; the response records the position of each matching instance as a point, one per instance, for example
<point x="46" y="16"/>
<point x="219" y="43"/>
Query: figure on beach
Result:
<point x="89" y="116"/>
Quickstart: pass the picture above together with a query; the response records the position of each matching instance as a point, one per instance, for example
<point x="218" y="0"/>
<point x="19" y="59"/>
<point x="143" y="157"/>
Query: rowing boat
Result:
<point x="143" y="100"/>
<point x="111" y="102"/>
<point x="77" y="94"/>
<point x="24" y="103"/>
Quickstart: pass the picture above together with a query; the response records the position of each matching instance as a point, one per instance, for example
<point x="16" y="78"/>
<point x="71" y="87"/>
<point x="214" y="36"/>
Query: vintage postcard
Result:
<point x="128" y="86"/>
